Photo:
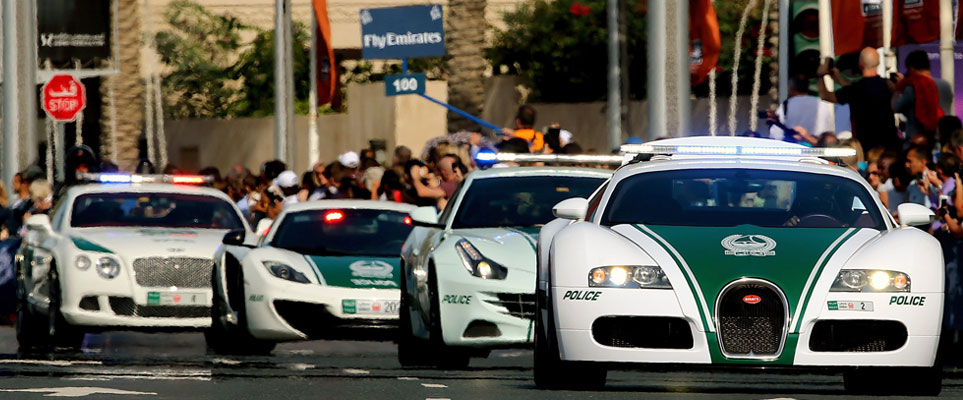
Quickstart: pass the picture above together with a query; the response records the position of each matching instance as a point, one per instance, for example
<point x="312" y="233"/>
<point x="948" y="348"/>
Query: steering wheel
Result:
<point x="818" y="221"/>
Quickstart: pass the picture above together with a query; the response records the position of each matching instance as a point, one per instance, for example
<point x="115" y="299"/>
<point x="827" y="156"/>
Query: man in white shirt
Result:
<point x="809" y="112"/>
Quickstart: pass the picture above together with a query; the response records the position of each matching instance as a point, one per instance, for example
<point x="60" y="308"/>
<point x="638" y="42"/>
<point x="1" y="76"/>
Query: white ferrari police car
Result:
<point x="468" y="274"/>
<point x="324" y="269"/>
<point x="121" y="252"/>
<point x="739" y="252"/>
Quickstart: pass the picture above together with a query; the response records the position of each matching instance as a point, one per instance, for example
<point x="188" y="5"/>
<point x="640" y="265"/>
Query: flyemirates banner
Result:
<point x="402" y="32"/>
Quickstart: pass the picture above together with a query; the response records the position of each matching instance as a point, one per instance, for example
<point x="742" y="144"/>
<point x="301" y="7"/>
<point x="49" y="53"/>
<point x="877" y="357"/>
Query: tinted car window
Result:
<point x="518" y="201"/>
<point x="343" y="232"/>
<point x="170" y="210"/>
<point x="730" y="197"/>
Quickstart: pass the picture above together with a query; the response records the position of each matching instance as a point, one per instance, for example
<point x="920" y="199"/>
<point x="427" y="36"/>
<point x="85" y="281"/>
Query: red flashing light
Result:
<point x="408" y="221"/>
<point x="187" y="179"/>
<point x="333" y="216"/>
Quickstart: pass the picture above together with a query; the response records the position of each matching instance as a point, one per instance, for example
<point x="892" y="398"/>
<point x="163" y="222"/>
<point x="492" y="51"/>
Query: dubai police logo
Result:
<point x="371" y="269"/>
<point x="749" y="245"/>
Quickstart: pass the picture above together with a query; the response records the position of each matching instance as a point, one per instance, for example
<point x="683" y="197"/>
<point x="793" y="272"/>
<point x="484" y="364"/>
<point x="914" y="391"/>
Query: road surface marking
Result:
<point x="434" y="385"/>
<point x="226" y="361"/>
<point x="55" y="363"/>
<point x="300" y="366"/>
<point x="353" y="371"/>
<point x="73" y="391"/>
<point x="407" y="378"/>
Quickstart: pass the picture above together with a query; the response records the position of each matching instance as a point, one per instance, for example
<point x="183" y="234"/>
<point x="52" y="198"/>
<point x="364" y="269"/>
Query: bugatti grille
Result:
<point x="751" y="318"/>
<point x="183" y="272"/>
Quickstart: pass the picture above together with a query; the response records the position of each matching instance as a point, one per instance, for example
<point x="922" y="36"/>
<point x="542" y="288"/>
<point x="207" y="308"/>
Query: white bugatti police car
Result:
<point x="739" y="252"/>
<point x="467" y="275"/>
<point x="325" y="269"/>
<point x="123" y="252"/>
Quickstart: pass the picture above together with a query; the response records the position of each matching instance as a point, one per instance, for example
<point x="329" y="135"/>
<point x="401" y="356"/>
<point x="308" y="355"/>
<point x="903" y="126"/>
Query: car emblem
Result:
<point x="175" y="250"/>
<point x="371" y="269"/>
<point x="752" y="299"/>
<point x="749" y="245"/>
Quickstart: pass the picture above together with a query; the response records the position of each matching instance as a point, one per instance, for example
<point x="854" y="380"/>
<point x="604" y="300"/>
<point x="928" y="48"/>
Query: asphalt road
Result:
<point x="127" y="365"/>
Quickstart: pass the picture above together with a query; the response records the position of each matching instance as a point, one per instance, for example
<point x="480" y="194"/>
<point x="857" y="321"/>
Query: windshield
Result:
<point x="169" y="210"/>
<point x="519" y="201"/>
<point x="343" y="232"/>
<point x="730" y="197"/>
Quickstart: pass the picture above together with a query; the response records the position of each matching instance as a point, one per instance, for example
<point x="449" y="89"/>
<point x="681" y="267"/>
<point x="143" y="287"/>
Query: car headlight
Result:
<point x="108" y="267"/>
<point x="871" y="280"/>
<point x="285" y="272"/>
<point x="477" y="264"/>
<point x="629" y="276"/>
<point x="82" y="262"/>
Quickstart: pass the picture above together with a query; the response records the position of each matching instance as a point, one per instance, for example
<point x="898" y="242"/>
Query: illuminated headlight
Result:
<point x="82" y="262"/>
<point x="630" y="276"/>
<point x="285" y="272"/>
<point x="871" y="280"/>
<point x="108" y="267"/>
<point x="477" y="264"/>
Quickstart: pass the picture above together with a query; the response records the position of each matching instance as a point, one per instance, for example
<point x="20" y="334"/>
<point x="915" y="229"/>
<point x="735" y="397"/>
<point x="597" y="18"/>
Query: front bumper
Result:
<point x="484" y="313"/>
<point x="574" y="321"/>
<point x="280" y="310"/>
<point x="140" y="309"/>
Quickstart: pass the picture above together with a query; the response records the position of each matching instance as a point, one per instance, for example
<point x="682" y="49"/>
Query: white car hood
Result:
<point x="141" y="241"/>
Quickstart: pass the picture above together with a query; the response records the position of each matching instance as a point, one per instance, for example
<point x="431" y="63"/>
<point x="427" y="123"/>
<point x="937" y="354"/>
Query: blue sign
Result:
<point x="402" y="32"/>
<point x="404" y="84"/>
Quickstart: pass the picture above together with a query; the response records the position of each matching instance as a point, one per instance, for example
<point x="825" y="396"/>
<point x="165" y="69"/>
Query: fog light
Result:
<point x="484" y="269"/>
<point x="82" y="262"/>
<point x="879" y="280"/>
<point x="618" y="276"/>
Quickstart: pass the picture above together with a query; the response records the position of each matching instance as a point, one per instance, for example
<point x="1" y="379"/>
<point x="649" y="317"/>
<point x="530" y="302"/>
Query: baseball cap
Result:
<point x="287" y="179"/>
<point x="349" y="159"/>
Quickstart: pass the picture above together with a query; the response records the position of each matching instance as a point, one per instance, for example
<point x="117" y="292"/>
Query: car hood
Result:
<point x="357" y="272"/>
<point x="139" y="241"/>
<point x="513" y="248"/>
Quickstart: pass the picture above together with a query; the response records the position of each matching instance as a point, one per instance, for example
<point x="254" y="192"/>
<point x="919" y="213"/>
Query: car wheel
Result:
<point x="30" y="329"/>
<point x="920" y="381"/>
<point x="225" y="338"/>
<point x="412" y="351"/>
<point x="550" y="372"/>
<point x="446" y="357"/>
<point x="60" y="333"/>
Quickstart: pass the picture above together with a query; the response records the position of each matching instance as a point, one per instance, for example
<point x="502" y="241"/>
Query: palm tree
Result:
<point x="465" y="41"/>
<point x="128" y="88"/>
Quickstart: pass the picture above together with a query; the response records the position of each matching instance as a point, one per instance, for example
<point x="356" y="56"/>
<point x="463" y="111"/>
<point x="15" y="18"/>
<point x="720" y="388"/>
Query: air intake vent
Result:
<point x="859" y="336"/>
<point x="642" y="332"/>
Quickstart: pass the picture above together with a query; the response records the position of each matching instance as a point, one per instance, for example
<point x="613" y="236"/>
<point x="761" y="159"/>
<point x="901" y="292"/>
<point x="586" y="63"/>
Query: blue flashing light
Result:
<point x="114" y="178"/>
<point x="485" y="158"/>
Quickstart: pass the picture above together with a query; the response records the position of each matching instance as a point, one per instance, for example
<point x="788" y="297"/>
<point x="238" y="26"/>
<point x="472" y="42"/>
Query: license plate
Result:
<point x="175" y="299"/>
<point x="370" y="307"/>
<point x="839" y="305"/>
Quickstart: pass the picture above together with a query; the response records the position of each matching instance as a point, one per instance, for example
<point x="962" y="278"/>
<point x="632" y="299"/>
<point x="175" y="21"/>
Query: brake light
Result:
<point x="408" y="221"/>
<point x="187" y="179"/>
<point x="333" y="216"/>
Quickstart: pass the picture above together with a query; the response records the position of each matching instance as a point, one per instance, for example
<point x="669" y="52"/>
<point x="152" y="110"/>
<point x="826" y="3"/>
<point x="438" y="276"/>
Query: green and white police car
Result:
<point x="739" y="252"/>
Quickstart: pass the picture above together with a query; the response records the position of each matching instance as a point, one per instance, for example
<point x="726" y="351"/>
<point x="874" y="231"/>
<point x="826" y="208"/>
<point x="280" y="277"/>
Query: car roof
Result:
<point x="540" y="171"/>
<point x="719" y="162"/>
<point x="144" y="188"/>
<point x="349" y="204"/>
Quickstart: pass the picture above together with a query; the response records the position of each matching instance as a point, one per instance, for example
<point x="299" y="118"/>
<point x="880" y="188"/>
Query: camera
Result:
<point x="945" y="208"/>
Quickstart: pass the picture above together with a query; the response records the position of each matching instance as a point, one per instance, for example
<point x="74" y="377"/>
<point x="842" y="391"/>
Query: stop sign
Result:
<point x="63" y="97"/>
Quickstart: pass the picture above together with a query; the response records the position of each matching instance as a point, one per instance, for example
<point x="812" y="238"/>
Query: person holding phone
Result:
<point x="811" y="113"/>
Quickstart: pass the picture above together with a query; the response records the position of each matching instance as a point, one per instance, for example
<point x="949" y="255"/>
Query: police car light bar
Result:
<point x="559" y="158"/>
<point x="134" y="178"/>
<point x="739" y="150"/>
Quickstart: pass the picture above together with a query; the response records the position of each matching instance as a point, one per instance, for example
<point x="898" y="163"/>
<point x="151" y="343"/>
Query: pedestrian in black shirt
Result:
<point x="869" y="102"/>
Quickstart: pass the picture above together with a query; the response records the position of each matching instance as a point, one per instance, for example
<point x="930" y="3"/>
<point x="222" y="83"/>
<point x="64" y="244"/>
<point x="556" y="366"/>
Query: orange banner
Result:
<point x="328" y="90"/>
<point x="705" y="42"/>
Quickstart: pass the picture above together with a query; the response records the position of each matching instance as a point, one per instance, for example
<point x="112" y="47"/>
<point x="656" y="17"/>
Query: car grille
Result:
<point x="857" y="336"/>
<point x="518" y="305"/>
<point x="182" y="272"/>
<point x="749" y="328"/>
<point x="125" y="306"/>
<point x="642" y="332"/>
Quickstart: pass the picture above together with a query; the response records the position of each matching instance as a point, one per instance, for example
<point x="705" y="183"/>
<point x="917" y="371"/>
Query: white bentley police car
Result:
<point x="739" y="252"/>
<point x="467" y="275"/>
<point x="122" y="252"/>
<point x="325" y="269"/>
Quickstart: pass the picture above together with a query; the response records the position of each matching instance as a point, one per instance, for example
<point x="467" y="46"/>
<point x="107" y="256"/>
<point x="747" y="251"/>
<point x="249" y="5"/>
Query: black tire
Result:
<point x="60" y="333"/>
<point x="227" y="339"/>
<point x="412" y="351"/>
<point x="549" y="371"/>
<point x="31" y="330"/>
<point x="446" y="357"/>
<point x="920" y="381"/>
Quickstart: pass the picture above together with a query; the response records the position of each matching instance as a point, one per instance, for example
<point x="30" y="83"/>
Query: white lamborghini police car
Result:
<point x="121" y="252"/>
<point x="739" y="252"/>
<point x="325" y="269"/>
<point x="468" y="273"/>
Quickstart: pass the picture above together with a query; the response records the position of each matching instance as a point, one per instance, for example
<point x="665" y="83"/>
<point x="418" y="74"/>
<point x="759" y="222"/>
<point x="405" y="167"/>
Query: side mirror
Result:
<point x="263" y="226"/>
<point x="40" y="222"/>
<point x="573" y="208"/>
<point x="912" y="214"/>
<point x="234" y="238"/>
<point x="425" y="216"/>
